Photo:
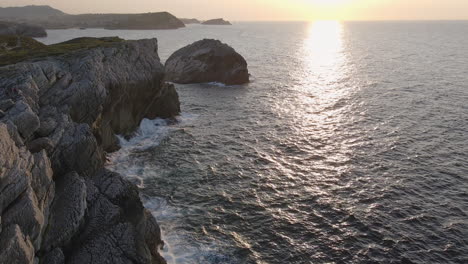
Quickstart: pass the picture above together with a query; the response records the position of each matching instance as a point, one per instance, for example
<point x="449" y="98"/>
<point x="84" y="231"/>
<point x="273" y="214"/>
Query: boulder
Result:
<point x="207" y="60"/>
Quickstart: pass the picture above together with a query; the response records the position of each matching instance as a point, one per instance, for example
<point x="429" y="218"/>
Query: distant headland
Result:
<point x="51" y="18"/>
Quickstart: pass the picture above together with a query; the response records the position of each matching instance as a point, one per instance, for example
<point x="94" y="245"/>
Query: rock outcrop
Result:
<point x="11" y="28"/>
<point x="217" y="21"/>
<point x="58" y="204"/>
<point x="207" y="60"/>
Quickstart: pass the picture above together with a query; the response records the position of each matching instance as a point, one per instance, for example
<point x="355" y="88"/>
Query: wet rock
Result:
<point x="207" y="60"/>
<point x="15" y="247"/>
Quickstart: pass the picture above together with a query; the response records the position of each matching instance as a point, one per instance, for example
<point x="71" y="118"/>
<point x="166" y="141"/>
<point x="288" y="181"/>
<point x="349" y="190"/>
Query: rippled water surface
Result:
<point x="349" y="146"/>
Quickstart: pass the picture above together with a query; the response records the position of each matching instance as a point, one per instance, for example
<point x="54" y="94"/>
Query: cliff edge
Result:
<point x="58" y="117"/>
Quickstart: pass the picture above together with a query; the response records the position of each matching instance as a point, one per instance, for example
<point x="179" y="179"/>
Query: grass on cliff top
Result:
<point x="31" y="48"/>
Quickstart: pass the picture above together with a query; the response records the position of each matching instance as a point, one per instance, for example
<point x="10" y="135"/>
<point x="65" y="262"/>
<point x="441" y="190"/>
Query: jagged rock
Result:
<point x="42" y="182"/>
<point x="15" y="248"/>
<point x="78" y="151"/>
<point x="207" y="60"/>
<point x="217" y="21"/>
<point x="25" y="120"/>
<point x="67" y="212"/>
<point x="114" y="222"/>
<point x="55" y="256"/>
<point x="2" y="114"/>
<point x="14" y="169"/>
<point x="10" y="28"/>
<point x="26" y="213"/>
<point x="62" y="114"/>
<point x="47" y="127"/>
<point x="5" y="105"/>
<point x="40" y="144"/>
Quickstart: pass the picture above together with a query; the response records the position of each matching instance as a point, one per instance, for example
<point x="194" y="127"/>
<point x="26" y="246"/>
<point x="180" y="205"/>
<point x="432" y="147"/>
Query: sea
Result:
<point x="349" y="145"/>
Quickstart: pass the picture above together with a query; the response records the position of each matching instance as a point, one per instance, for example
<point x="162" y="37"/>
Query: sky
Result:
<point x="270" y="10"/>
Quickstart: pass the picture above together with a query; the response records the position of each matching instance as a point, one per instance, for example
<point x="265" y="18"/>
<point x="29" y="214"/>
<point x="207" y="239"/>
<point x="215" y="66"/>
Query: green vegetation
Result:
<point x="14" y="49"/>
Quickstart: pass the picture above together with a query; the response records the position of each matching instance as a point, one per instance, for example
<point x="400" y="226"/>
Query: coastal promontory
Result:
<point x="61" y="108"/>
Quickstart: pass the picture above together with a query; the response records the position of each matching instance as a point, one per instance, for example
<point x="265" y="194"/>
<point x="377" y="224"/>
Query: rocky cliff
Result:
<point x="58" y="117"/>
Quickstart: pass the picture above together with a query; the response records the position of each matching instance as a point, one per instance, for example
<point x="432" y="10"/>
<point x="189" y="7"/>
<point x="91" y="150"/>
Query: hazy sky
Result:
<point x="269" y="9"/>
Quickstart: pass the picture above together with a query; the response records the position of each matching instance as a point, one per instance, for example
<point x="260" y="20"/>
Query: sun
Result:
<point x="330" y="2"/>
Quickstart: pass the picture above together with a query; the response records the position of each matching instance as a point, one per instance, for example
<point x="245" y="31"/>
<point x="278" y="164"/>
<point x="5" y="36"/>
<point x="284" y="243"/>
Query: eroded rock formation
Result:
<point x="207" y="60"/>
<point x="59" y="116"/>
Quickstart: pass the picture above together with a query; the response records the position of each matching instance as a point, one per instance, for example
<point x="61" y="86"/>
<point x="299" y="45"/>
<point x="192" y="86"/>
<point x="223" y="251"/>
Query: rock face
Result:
<point x="217" y="21"/>
<point x="207" y="60"/>
<point x="10" y="28"/>
<point x="60" y="115"/>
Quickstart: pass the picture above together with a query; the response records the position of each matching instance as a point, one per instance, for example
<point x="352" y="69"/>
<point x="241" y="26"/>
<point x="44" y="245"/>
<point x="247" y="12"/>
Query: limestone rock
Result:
<point x="67" y="212"/>
<point x="62" y="114"/>
<point x="26" y="213"/>
<point x="207" y="60"/>
<point x="55" y="256"/>
<point x="40" y="144"/>
<point x="26" y="121"/>
<point x="15" y="248"/>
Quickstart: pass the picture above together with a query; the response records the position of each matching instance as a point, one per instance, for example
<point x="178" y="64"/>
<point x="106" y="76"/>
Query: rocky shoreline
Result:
<point x="59" y="116"/>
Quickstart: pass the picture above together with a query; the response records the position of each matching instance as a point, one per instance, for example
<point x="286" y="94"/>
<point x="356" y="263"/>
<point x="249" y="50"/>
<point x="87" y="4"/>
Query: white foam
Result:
<point x="179" y="246"/>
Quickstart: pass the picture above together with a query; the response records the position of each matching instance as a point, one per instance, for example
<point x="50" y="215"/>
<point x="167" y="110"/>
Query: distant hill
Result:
<point x="29" y="12"/>
<point x="51" y="18"/>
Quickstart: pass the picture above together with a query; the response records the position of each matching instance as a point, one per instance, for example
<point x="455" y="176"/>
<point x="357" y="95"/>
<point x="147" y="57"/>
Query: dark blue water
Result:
<point x="349" y="146"/>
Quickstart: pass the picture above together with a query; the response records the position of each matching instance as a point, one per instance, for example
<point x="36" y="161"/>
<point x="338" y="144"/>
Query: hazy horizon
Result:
<point x="271" y="10"/>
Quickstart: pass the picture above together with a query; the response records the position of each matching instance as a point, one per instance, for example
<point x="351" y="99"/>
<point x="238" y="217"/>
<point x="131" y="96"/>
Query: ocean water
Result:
<point x="350" y="145"/>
